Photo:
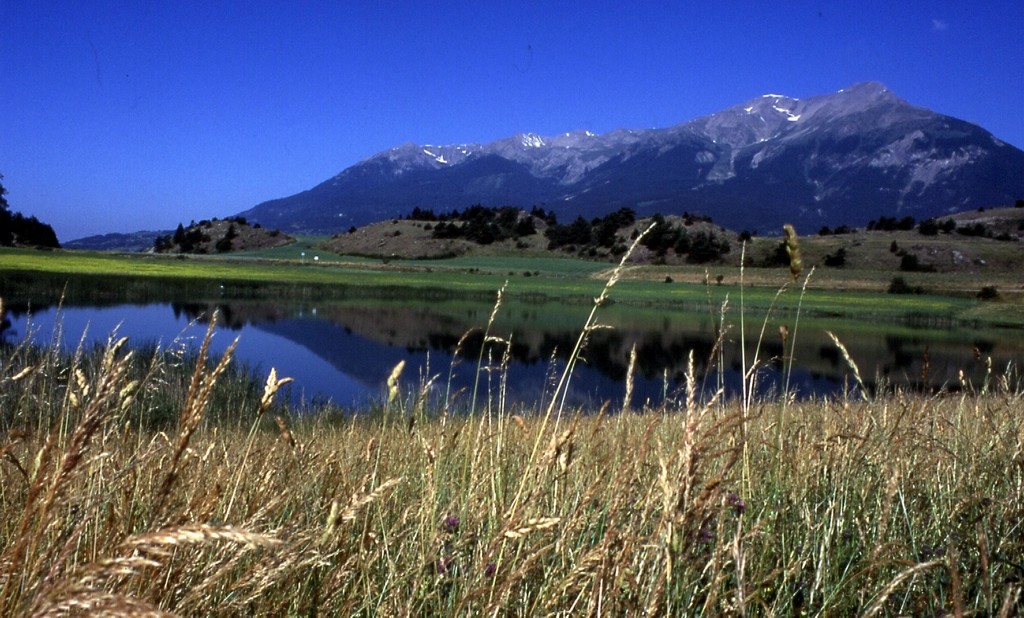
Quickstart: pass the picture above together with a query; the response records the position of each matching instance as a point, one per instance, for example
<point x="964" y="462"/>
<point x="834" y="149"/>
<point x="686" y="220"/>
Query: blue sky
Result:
<point x="139" y="115"/>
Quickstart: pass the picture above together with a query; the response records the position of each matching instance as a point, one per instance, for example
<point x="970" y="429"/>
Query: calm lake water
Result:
<point x="344" y="351"/>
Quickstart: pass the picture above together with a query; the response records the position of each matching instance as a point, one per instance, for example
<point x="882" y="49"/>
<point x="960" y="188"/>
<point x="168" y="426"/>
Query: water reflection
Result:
<point x="344" y="351"/>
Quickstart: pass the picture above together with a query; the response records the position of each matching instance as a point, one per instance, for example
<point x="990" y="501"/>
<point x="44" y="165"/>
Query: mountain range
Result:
<point x="841" y="158"/>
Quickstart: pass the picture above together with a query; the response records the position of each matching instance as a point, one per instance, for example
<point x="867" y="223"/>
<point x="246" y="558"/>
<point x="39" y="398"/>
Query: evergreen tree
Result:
<point x="17" y="229"/>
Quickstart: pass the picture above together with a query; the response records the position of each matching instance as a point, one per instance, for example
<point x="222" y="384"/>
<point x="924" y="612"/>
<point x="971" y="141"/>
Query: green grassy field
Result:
<point x="34" y="273"/>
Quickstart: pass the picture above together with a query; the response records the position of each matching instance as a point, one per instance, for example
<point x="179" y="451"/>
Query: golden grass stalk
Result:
<point x="561" y="389"/>
<point x="851" y="364"/>
<point x="483" y="347"/>
<point x="273" y="384"/>
<point x="48" y="486"/>
<point x="792" y="244"/>
<point x="393" y="381"/>
<point x="270" y="389"/>
<point x="356" y="504"/>
<point x="163" y="542"/>
<point x="562" y="386"/>
<point x="1011" y="598"/>
<point x="627" y="399"/>
<point x="197" y="401"/>
<point x="878" y="604"/>
<point x="535" y="524"/>
<point x="101" y="605"/>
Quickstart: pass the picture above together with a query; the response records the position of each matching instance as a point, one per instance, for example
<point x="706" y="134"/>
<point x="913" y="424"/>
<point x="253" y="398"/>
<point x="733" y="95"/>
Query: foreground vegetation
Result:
<point x="147" y="483"/>
<point x="162" y="481"/>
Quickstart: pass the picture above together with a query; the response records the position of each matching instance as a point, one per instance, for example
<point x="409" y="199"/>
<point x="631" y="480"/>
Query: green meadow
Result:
<point x="88" y="276"/>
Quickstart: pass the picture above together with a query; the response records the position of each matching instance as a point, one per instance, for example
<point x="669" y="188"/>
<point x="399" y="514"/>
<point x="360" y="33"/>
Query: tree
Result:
<point x="706" y="246"/>
<point x="911" y="264"/>
<point x="989" y="292"/>
<point x="525" y="227"/>
<point x="928" y="227"/>
<point x="17" y="229"/>
<point x="899" y="285"/>
<point x="837" y="259"/>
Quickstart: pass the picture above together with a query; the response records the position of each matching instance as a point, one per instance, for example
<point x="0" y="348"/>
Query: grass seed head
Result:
<point x="396" y="373"/>
<point x="796" y="265"/>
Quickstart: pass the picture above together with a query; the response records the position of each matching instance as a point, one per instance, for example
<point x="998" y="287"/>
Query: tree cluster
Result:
<point x="196" y="237"/>
<point x="479" y="224"/>
<point x="18" y="230"/>
<point x="700" y="247"/>
<point x="932" y="227"/>
<point x="838" y="231"/>
<point x="589" y="236"/>
<point x="975" y="229"/>
<point x="891" y="224"/>
<point x="603" y="234"/>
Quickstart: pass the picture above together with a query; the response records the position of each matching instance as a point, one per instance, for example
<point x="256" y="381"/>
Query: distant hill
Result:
<point x="507" y="230"/>
<point x="220" y="236"/>
<point x="977" y="248"/>
<point x="133" y="242"/>
<point x="842" y="158"/>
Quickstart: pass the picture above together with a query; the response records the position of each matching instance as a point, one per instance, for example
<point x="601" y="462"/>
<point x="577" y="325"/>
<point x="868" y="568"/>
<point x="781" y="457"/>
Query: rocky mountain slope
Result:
<point x="846" y="157"/>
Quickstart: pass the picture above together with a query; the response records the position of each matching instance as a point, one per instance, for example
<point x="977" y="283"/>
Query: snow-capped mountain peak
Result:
<point x="532" y="140"/>
<point x="838" y="158"/>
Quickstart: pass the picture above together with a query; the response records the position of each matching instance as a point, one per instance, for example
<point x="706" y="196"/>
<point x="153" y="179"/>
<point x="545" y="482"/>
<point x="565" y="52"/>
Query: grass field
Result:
<point x="156" y="482"/>
<point x="88" y="277"/>
<point x="148" y="483"/>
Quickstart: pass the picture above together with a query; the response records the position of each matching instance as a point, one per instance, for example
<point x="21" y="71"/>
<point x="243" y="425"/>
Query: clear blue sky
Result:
<point x="129" y="116"/>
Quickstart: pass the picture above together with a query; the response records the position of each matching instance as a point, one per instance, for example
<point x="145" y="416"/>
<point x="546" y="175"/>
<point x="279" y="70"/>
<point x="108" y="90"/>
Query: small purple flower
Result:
<point x="705" y="535"/>
<point x="445" y="565"/>
<point x="737" y="503"/>
<point x="928" y="552"/>
<point x="490" y="569"/>
<point x="450" y="524"/>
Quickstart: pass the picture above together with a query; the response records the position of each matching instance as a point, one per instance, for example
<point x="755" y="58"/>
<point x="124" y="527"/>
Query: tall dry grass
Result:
<point x="901" y="504"/>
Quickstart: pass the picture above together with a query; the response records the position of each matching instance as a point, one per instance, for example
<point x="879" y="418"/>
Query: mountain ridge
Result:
<point x="830" y="159"/>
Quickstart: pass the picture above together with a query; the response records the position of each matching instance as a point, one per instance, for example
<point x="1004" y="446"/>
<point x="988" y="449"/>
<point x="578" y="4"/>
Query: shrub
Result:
<point x="928" y="227"/>
<point x="989" y="292"/>
<point x="911" y="264"/>
<point x="837" y="259"/>
<point x="899" y="285"/>
<point x="976" y="229"/>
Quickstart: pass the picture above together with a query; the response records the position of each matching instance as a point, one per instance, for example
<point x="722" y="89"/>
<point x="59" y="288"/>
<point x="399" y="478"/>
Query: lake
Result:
<point x="343" y="351"/>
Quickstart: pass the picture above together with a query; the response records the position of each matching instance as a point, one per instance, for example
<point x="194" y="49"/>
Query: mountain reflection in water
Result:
<point x="343" y="352"/>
